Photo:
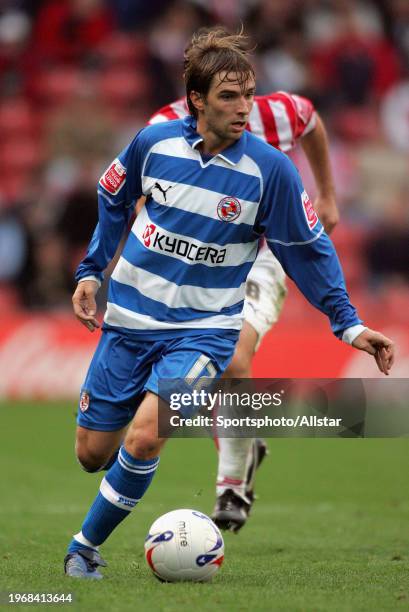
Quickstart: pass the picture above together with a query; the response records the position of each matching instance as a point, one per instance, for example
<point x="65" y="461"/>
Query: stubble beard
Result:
<point x="223" y="135"/>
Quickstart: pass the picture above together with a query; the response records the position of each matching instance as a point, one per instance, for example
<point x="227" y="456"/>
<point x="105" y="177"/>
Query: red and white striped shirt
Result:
<point x="278" y="118"/>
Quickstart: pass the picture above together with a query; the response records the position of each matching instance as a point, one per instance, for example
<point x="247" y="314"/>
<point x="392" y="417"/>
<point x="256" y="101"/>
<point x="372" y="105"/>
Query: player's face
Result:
<point x="225" y="110"/>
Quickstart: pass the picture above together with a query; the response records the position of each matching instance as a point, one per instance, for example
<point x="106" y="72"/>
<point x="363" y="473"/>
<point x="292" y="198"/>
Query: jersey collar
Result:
<point x="231" y="154"/>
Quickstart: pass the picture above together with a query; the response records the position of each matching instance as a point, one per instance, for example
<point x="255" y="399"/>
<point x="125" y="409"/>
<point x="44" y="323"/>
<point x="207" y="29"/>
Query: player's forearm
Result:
<point x="315" y="145"/>
<point x="105" y="240"/>
<point x="316" y="149"/>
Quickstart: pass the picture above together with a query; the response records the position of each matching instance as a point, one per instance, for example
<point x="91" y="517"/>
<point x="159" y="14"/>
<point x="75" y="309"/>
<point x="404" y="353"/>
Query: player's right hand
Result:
<point x="84" y="305"/>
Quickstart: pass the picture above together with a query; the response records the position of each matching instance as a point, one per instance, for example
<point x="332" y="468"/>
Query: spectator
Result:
<point x="387" y="251"/>
<point x="68" y="31"/>
<point x="15" y="27"/>
<point x="136" y="15"/>
<point x="356" y="64"/>
<point x="399" y="14"/>
<point x="13" y="245"/>
<point x="167" y="43"/>
<point x="46" y="280"/>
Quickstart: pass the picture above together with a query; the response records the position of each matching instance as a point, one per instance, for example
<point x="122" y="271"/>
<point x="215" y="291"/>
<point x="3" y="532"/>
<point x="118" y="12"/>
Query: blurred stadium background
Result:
<point x="78" y="78"/>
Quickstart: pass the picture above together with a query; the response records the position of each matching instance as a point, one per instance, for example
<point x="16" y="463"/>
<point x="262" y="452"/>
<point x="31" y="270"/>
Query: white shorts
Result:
<point x="265" y="293"/>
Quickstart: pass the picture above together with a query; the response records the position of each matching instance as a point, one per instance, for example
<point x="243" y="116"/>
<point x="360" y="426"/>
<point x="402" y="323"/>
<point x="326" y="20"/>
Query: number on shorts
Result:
<point x="201" y="373"/>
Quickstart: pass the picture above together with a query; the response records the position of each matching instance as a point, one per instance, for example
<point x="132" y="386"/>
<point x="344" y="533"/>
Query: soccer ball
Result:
<point x="184" y="545"/>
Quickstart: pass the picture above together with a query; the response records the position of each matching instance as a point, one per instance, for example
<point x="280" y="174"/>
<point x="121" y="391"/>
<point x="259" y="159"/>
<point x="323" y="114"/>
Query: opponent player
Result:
<point x="176" y="294"/>
<point x="281" y="119"/>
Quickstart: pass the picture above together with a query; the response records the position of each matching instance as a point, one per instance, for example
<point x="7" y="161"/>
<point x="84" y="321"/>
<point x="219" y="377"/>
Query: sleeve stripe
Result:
<point x="256" y="123"/>
<point x="179" y="108"/>
<point x="291" y="112"/>
<point x="284" y="124"/>
<point x="268" y="120"/>
<point x="297" y="243"/>
<point x="108" y="199"/>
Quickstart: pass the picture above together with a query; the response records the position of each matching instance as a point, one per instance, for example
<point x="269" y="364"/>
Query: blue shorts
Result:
<point x="124" y="368"/>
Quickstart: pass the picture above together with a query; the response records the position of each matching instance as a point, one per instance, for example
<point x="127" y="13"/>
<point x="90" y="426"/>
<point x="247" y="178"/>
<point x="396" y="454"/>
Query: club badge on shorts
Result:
<point x="84" y="401"/>
<point x="229" y="209"/>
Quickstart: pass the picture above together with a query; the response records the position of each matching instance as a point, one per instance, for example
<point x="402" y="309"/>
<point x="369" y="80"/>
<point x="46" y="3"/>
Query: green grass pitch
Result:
<point x="330" y="530"/>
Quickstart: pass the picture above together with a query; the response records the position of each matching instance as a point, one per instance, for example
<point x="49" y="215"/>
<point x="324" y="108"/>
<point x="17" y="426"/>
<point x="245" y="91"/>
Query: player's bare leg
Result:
<point x="238" y="457"/>
<point x="121" y="489"/>
<point x="142" y="440"/>
<point x="95" y="449"/>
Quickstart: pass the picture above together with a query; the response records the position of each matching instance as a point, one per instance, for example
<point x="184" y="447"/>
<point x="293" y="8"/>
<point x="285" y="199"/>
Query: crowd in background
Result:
<point x="78" y="78"/>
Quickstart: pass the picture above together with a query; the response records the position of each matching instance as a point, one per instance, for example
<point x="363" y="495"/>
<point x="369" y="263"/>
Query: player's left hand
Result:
<point x="378" y="345"/>
<point x="327" y="211"/>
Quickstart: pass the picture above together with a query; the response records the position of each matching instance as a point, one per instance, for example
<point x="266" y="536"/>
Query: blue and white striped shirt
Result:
<point x="184" y="265"/>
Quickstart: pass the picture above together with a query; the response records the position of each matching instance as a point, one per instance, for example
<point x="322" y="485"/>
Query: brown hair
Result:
<point x="211" y="51"/>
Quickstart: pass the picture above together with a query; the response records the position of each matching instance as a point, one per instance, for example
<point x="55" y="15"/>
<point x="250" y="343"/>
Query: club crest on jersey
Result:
<point x="310" y="214"/>
<point x="114" y="177"/>
<point x="84" y="401"/>
<point x="147" y="233"/>
<point x="229" y="209"/>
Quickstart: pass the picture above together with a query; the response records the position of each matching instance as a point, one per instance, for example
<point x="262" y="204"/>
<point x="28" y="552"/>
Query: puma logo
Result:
<point x="163" y="191"/>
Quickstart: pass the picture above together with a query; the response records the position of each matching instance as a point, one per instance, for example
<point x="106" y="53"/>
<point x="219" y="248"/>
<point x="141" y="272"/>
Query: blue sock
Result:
<point x="121" y="489"/>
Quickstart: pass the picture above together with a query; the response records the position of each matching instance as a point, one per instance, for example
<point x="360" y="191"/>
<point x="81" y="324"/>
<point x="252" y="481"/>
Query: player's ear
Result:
<point x="197" y="100"/>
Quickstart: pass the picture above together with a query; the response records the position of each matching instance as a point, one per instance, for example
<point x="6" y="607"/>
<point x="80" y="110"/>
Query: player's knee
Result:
<point x="142" y="444"/>
<point x="90" y="464"/>
<point x="88" y="460"/>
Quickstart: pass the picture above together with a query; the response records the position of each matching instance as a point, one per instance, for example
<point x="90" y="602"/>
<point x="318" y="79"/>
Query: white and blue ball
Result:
<point x="184" y="545"/>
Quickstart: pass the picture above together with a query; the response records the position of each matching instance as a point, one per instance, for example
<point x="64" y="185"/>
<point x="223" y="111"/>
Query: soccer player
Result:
<point x="176" y="294"/>
<point x="281" y="119"/>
